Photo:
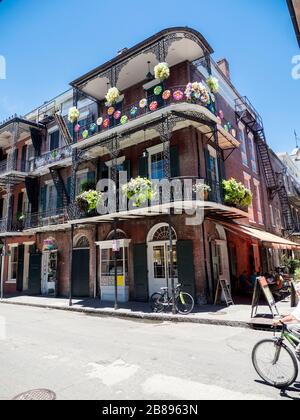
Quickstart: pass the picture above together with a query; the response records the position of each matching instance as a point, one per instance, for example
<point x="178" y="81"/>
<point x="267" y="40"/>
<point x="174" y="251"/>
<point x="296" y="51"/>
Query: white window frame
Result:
<point x="159" y="148"/>
<point x="254" y="164"/>
<point x="50" y="184"/>
<point x="258" y="201"/>
<point x="272" y="215"/>
<point x="247" y="180"/>
<point x="242" y="138"/>
<point x="11" y="248"/>
<point x="110" y="163"/>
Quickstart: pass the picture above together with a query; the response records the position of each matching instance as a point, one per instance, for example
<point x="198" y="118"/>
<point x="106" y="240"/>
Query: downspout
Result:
<point x="96" y="262"/>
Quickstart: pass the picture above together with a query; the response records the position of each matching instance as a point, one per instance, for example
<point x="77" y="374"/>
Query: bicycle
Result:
<point x="184" y="302"/>
<point x="275" y="362"/>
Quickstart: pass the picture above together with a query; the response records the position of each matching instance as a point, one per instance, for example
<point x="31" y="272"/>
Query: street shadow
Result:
<point x="285" y="393"/>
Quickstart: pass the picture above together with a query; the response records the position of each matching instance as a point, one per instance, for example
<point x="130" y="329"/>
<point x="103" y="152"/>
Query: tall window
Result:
<point x="13" y="264"/>
<point x="51" y="199"/>
<point x="54" y="140"/>
<point x="242" y="139"/>
<point x="258" y="202"/>
<point x="156" y="163"/>
<point x="272" y="215"/>
<point x="253" y="153"/>
<point x="247" y="181"/>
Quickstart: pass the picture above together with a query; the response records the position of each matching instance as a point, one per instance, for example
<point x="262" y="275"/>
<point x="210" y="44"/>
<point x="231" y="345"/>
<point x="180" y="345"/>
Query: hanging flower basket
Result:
<point x="112" y="96"/>
<point x="202" y="191"/>
<point x="197" y="92"/>
<point x="162" y="71"/>
<point x="213" y="84"/>
<point x="236" y="194"/>
<point x="88" y="201"/>
<point x="73" y="115"/>
<point x="139" y="190"/>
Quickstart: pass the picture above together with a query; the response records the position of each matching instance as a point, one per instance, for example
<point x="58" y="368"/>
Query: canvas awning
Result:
<point x="269" y="240"/>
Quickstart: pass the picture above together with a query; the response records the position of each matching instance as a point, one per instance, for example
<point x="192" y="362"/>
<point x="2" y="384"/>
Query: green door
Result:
<point x="20" y="272"/>
<point x="140" y="272"/>
<point x="186" y="270"/>
<point x="81" y="273"/>
<point x="35" y="277"/>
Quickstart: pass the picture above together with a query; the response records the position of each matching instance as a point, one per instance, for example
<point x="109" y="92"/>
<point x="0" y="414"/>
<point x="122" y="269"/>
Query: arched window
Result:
<point x="120" y="235"/>
<point x="160" y="233"/>
<point x="82" y="242"/>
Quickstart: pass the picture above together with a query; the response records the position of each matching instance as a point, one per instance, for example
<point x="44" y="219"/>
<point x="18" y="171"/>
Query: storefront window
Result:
<point x="108" y="262"/>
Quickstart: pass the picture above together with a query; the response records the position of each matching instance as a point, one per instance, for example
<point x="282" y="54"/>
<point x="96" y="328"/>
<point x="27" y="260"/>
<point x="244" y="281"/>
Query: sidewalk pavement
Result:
<point x="233" y="316"/>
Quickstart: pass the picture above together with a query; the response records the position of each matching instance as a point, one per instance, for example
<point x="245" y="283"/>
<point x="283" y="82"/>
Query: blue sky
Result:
<point x="49" y="43"/>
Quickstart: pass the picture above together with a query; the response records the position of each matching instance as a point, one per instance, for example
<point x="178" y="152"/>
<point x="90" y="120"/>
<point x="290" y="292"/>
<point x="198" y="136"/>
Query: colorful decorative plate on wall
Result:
<point x="93" y="128"/>
<point x="158" y="90"/>
<point x="111" y="111"/>
<point x="143" y="103"/>
<point x="134" y="111"/>
<point x="153" y="106"/>
<point x="221" y="113"/>
<point x="85" y="134"/>
<point x="100" y="121"/>
<point x="77" y="128"/>
<point x="178" y="95"/>
<point x="106" y="123"/>
<point x="124" y="120"/>
<point x="166" y="95"/>
<point x="117" y="115"/>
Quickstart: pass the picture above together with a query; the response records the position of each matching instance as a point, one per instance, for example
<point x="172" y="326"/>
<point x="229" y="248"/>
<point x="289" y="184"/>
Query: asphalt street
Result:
<point x="83" y="357"/>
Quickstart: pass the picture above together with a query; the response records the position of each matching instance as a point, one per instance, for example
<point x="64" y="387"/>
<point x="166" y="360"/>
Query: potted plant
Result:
<point x="88" y="201"/>
<point x="236" y="194"/>
<point x="87" y="186"/>
<point x="202" y="191"/>
<point x="139" y="190"/>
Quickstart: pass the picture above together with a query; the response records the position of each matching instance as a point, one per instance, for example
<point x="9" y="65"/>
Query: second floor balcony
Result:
<point x="57" y="157"/>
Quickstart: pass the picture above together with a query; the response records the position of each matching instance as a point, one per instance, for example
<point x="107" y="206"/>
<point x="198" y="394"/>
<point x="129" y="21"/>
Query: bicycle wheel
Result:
<point x="184" y="303"/>
<point x="156" y="302"/>
<point x="275" y="364"/>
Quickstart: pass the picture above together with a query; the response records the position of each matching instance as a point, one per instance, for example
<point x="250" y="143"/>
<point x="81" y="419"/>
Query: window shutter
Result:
<point x="43" y="198"/>
<point x="207" y="164"/>
<point x="140" y="272"/>
<point x="59" y="198"/>
<point x="186" y="270"/>
<point x="127" y="168"/>
<point x="143" y="167"/>
<point x="174" y="162"/>
<point x="91" y="177"/>
<point x="104" y="171"/>
<point x="1" y="207"/>
<point x="20" y="202"/>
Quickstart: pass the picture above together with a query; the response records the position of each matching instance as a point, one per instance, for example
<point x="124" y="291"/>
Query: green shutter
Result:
<point x="186" y="270"/>
<point x="207" y="164"/>
<point x="127" y="168"/>
<point x="43" y="198"/>
<point x="91" y="177"/>
<point x="143" y="167"/>
<point x="174" y="161"/>
<point x="140" y="272"/>
<point x="104" y="171"/>
<point x="59" y="198"/>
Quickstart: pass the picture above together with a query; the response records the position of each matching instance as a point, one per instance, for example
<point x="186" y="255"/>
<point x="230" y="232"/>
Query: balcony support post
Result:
<point x="165" y="129"/>
<point x="9" y="209"/>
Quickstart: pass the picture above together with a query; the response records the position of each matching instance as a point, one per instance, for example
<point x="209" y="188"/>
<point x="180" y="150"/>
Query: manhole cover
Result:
<point x="36" y="395"/>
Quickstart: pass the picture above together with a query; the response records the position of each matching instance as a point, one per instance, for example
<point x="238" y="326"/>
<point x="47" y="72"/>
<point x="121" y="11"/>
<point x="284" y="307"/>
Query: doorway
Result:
<point x="81" y="268"/>
<point x="159" y="258"/>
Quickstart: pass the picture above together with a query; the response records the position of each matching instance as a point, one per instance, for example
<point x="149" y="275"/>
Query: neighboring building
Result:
<point x="292" y="183"/>
<point x="154" y="131"/>
<point x="294" y="8"/>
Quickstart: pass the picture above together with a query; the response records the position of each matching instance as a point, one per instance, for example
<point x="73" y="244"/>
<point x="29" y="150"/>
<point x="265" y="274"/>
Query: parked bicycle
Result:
<point x="274" y="361"/>
<point x="184" y="302"/>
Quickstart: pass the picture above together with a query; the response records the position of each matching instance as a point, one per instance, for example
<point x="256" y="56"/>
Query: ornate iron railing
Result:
<point x="51" y="157"/>
<point x="47" y="218"/>
<point x="119" y="115"/>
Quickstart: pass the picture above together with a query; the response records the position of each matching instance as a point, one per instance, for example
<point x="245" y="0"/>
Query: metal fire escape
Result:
<point x="60" y="186"/>
<point x="248" y="115"/>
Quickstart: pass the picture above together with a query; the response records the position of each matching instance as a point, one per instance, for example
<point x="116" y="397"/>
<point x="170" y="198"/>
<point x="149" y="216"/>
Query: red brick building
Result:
<point x="155" y="130"/>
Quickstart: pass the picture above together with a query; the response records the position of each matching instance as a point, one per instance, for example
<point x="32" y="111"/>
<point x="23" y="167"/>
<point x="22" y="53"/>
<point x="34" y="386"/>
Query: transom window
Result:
<point x="82" y="242"/>
<point x="162" y="234"/>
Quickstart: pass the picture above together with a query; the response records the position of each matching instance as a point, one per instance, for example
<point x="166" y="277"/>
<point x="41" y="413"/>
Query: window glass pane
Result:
<point x="157" y="166"/>
<point x="54" y="140"/>
<point x="159" y="262"/>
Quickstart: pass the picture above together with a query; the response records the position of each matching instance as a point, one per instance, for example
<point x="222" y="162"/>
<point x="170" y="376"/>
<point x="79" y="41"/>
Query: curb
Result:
<point x="137" y="315"/>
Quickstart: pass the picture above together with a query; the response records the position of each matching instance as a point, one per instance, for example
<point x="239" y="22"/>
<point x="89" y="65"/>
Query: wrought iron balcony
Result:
<point x="11" y="165"/>
<point x="46" y="219"/>
<point x="119" y="115"/>
<point x="7" y="227"/>
<point x="50" y="158"/>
